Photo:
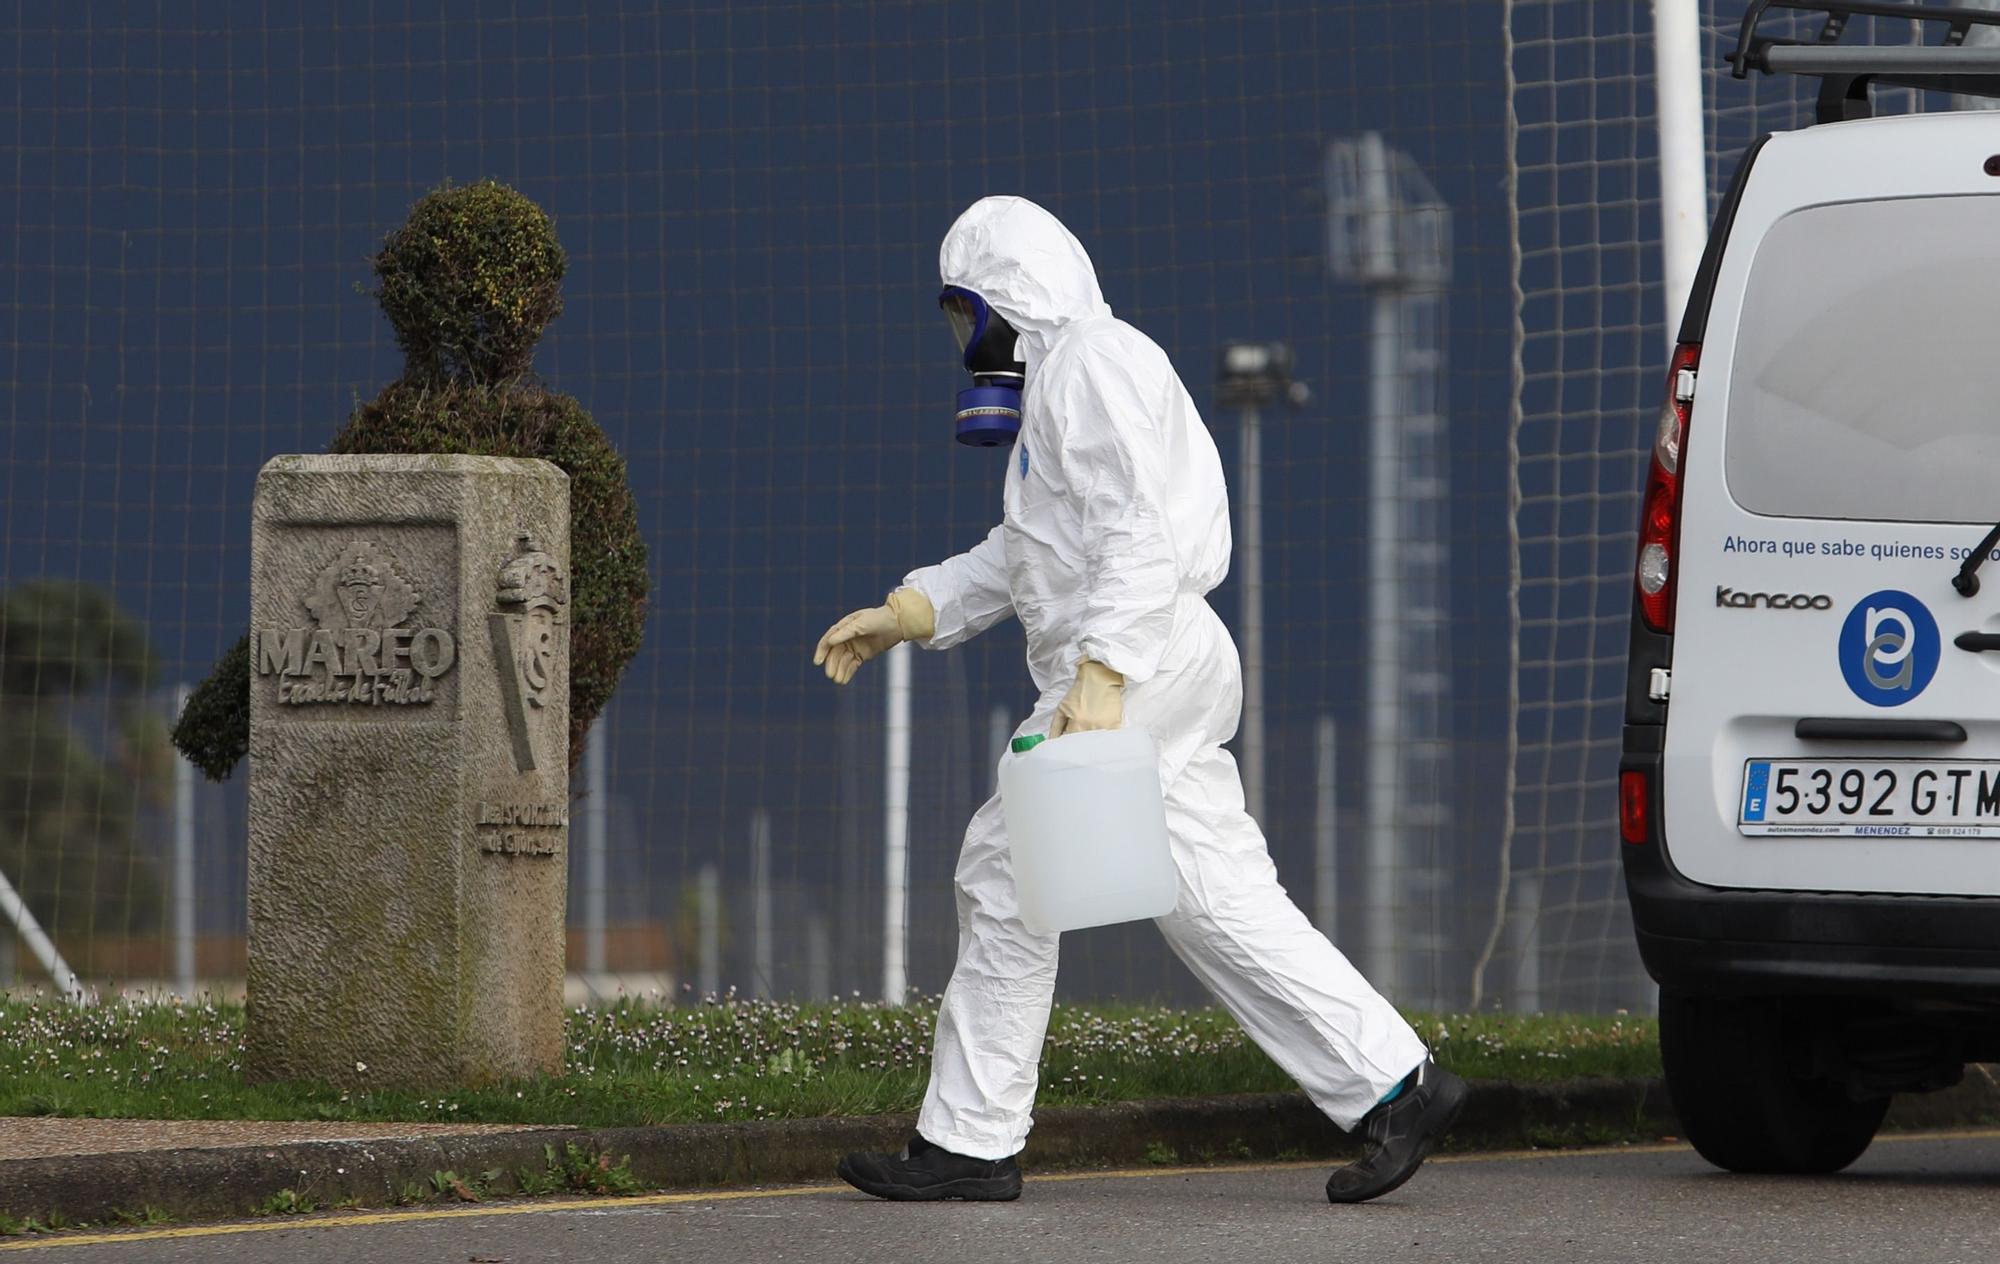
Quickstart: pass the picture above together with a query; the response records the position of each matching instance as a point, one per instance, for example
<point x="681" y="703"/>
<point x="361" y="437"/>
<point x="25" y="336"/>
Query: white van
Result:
<point x="1810" y="789"/>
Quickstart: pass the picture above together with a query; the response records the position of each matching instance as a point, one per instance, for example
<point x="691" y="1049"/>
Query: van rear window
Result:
<point x="1866" y="378"/>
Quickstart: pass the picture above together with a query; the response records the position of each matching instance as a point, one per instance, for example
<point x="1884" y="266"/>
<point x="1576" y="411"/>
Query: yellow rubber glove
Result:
<point x="906" y="616"/>
<point x="1095" y="701"/>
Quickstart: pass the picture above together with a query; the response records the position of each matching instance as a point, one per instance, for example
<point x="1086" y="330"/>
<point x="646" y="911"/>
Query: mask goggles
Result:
<point x="989" y="411"/>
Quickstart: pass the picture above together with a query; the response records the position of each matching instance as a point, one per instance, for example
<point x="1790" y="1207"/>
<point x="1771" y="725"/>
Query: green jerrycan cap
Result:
<point x="1028" y="742"/>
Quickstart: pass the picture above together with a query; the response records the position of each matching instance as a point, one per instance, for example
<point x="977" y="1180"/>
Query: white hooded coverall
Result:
<point x="1116" y="528"/>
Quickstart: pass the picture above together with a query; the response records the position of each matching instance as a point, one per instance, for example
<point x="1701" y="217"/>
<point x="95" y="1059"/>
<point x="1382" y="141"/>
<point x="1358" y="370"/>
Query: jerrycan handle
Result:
<point x="1027" y="742"/>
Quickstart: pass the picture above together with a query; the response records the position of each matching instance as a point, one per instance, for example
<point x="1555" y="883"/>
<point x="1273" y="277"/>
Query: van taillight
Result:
<point x="1633" y="793"/>
<point x="1660" y="513"/>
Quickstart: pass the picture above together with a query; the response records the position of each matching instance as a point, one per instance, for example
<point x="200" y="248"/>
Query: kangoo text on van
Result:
<point x="1734" y="600"/>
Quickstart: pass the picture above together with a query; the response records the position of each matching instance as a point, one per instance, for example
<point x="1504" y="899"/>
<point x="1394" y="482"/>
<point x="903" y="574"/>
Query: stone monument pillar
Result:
<point x="409" y="769"/>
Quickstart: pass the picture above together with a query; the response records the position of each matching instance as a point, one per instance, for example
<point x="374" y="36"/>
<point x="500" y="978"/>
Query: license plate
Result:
<point x="1913" y="798"/>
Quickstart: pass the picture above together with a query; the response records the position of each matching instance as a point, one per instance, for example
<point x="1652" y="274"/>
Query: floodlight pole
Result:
<point x="708" y="930"/>
<point x="1251" y="376"/>
<point x="1250" y="548"/>
<point x="1326" y="829"/>
<point x="1683" y="152"/>
<point x="183" y="884"/>
<point x="762" y="969"/>
<point x="595" y="810"/>
<point x="1385" y="803"/>
<point x="1390" y="231"/>
<point x="896" y="831"/>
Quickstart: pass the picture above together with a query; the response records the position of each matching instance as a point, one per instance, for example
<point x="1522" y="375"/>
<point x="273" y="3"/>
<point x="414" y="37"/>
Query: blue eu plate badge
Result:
<point x="1756" y="790"/>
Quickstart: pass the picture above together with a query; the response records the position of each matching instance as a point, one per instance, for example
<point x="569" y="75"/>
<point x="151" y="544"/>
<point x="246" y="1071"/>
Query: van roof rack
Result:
<point x="1845" y="72"/>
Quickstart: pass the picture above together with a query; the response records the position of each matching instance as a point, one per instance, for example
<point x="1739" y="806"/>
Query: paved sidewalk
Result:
<point x="46" y="1137"/>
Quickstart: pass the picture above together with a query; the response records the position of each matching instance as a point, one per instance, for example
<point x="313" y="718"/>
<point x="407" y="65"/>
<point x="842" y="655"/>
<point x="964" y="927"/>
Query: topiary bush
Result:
<point x="213" y="728"/>
<point x="469" y="283"/>
<point x="607" y="557"/>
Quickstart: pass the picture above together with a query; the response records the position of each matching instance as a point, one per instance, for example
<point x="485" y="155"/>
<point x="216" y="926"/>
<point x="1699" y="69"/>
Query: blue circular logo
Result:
<point x="1889" y="648"/>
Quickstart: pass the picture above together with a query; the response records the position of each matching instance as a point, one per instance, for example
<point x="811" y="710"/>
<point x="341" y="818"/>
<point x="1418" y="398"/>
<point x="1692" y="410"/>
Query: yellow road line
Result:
<point x="403" y="1217"/>
<point x="359" y="1219"/>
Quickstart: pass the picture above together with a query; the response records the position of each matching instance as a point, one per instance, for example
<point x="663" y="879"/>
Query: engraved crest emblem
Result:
<point x="528" y="632"/>
<point x="362" y="588"/>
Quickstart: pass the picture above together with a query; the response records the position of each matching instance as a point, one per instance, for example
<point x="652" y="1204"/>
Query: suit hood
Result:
<point x="1026" y="265"/>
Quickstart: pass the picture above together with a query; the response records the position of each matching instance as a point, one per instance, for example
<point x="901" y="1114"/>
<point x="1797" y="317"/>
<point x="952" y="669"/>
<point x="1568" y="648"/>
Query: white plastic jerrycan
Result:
<point x="1087" y="829"/>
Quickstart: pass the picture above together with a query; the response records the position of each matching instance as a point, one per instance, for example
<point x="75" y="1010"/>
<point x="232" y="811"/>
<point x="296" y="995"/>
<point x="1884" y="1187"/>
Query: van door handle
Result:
<point x="1977" y="642"/>
<point x="1817" y="729"/>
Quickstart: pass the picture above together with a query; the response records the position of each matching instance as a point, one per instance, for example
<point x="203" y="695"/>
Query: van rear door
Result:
<point x="1825" y="731"/>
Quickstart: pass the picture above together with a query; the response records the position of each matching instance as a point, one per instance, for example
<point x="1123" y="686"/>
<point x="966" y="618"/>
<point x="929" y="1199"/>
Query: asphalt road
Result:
<point x="1929" y="1199"/>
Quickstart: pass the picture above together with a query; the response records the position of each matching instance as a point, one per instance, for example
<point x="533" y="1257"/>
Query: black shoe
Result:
<point x="924" y="1173"/>
<point x="1399" y="1135"/>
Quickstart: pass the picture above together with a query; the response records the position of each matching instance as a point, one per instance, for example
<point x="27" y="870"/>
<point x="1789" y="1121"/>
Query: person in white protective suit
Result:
<point x="1116" y="526"/>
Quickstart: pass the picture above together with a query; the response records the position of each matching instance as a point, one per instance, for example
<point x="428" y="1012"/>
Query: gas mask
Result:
<point x="989" y="411"/>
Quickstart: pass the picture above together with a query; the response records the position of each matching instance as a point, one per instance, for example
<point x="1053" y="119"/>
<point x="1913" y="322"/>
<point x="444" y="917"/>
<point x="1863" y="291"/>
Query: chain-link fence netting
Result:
<point x="1592" y="345"/>
<point x="751" y="196"/>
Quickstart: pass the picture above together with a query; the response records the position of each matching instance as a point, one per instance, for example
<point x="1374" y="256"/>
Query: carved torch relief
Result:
<point x="528" y="634"/>
<point x="358" y="653"/>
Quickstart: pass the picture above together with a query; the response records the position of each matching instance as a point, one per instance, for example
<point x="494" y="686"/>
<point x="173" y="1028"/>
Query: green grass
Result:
<point x="730" y="1060"/>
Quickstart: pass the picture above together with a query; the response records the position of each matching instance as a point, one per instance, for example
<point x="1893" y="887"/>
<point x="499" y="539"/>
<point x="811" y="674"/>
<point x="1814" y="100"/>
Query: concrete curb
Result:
<point x="228" y="1182"/>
